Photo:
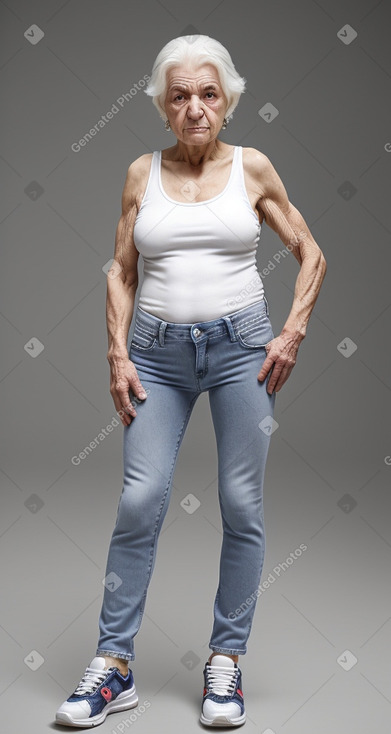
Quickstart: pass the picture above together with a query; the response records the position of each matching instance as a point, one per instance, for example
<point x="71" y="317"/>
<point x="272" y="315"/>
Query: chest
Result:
<point x="183" y="184"/>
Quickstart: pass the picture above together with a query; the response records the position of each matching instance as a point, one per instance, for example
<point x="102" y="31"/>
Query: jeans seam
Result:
<point x="228" y="650"/>
<point x="141" y="327"/>
<point x="250" y="323"/>
<point x="134" y="345"/>
<point x="114" y="654"/>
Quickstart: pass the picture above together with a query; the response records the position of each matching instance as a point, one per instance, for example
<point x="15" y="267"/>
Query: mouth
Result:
<point x="200" y="129"/>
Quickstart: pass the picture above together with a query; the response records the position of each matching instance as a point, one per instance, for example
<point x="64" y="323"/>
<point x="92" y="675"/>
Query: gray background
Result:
<point x="328" y="468"/>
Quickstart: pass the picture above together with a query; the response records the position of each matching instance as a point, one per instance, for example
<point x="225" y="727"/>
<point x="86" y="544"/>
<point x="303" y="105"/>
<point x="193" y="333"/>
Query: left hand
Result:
<point x="281" y="359"/>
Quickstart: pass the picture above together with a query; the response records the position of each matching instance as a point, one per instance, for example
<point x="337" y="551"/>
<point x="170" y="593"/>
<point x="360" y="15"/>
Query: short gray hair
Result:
<point x="197" y="50"/>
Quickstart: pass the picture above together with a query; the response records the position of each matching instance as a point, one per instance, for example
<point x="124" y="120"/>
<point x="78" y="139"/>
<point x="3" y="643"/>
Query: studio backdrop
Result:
<point x="74" y="116"/>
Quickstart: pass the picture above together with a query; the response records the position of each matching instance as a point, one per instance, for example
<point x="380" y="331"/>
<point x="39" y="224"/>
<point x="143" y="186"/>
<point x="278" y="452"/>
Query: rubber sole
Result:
<point x="126" y="700"/>
<point x="223" y="720"/>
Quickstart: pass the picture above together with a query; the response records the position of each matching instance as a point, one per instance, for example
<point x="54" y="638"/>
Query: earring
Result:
<point x="225" y="123"/>
<point x="167" y="125"/>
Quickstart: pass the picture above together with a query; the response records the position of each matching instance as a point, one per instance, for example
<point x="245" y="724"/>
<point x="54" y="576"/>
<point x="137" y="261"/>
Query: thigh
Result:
<point x="242" y="410"/>
<point x="152" y="440"/>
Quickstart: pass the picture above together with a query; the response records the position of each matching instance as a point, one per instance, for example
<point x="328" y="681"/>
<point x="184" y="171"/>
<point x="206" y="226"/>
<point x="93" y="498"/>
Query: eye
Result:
<point x="212" y="93"/>
<point x="178" y="95"/>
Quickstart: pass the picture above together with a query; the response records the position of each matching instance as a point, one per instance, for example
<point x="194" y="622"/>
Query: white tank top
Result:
<point x="198" y="257"/>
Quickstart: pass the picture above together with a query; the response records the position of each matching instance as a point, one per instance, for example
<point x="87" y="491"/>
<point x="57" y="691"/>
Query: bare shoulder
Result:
<point x="136" y="180"/>
<point x="261" y="170"/>
<point x="257" y="165"/>
<point x="254" y="159"/>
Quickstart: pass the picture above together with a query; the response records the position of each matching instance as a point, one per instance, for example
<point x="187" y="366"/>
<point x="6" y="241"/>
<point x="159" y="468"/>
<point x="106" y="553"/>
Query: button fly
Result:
<point x="197" y="332"/>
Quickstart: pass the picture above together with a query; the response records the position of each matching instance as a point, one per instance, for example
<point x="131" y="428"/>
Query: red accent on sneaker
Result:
<point x="240" y="692"/>
<point x="205" y="692"/>
<point x="106" y="693"/>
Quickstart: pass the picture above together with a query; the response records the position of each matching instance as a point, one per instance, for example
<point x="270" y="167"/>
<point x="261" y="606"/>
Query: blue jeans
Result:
<point x="176" y="362"/>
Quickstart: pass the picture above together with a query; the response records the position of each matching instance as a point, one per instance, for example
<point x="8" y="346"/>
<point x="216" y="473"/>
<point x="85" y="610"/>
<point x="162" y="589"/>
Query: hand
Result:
<point x="123" y="378"/>
<point x="281" y="359"/>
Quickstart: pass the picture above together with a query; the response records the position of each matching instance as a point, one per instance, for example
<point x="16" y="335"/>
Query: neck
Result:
<point x="196" y="155"/>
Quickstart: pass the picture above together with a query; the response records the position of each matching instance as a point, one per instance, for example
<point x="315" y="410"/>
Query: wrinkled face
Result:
<point x="195" y="103"/>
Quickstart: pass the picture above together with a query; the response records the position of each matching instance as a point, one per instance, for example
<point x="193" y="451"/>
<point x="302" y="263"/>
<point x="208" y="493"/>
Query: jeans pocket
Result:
<point x="144" y="338"/>
<point x="254" y="332"/>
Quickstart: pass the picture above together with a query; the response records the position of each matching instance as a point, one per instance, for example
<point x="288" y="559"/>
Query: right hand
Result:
<point x="124" y="378"/>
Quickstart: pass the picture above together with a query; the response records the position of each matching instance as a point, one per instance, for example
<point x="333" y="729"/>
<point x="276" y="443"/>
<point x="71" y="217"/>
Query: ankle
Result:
<point x="120" y="663"/>
<point x="235" y="658"/>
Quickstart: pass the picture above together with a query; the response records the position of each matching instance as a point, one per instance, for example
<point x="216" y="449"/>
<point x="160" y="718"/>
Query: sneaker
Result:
<point x="222" y="703"/>
<point x="100" y="692"/>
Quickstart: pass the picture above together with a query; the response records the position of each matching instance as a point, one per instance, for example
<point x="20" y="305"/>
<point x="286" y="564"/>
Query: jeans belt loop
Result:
<point x="162" y="331"/>
<point x="230" y="328"/>
<point x="267" y="305"/>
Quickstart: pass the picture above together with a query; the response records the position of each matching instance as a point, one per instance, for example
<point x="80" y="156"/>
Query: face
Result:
<point x="195" y="103"/>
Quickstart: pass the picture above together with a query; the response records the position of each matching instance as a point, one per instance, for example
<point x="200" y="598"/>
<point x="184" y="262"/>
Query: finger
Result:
<point x="274" y="377"/>
<point x="128" y="407"/>
<point x="125" y="406"/>
<point x="137" y="387"/>
<point x="121" y="412"/>
<point x="266" y="367"/>
<point x="285" y="372"/>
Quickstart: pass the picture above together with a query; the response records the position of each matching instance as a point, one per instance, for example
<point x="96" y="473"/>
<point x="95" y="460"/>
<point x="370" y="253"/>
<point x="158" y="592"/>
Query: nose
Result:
<point x="195" y="110"/>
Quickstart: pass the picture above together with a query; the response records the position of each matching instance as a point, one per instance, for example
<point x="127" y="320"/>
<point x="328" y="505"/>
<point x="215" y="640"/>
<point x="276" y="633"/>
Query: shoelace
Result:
<point x="221" y="680"/>
<point x="90" y="681"/>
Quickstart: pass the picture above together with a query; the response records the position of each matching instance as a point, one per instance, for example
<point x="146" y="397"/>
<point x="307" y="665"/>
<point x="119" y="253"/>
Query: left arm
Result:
<point x="283" y="217"/>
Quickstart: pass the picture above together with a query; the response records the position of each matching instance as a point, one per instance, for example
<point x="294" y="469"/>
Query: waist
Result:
<point x="201" y="293"/>
<point x="212" y="327"/>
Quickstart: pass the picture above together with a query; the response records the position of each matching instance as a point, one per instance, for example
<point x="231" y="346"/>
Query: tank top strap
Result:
<point x="154" y="172"/>
<point x="237" y="180"/>
<point x="152" y="190"/>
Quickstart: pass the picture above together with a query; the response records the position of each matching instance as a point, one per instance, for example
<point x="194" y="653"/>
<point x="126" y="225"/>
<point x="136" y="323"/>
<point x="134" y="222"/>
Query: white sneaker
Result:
<point x="100" y="692"/>
<point x="222" y="703"/>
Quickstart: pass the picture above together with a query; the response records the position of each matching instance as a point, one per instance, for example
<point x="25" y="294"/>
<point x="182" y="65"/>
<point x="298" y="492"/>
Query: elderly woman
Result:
<point x="194" y="212"/>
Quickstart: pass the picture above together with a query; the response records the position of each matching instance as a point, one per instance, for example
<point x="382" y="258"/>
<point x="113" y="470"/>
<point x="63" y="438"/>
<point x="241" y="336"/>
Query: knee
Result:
<point x="140" y="505"/>
<point x="241" y="518"/>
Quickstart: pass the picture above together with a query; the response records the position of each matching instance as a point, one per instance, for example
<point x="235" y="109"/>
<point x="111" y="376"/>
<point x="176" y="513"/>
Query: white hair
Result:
<point x="197" y="50"/>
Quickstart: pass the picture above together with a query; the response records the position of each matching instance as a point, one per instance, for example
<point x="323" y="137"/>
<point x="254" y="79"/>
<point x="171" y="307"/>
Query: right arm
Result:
<point x="122" y="282"/>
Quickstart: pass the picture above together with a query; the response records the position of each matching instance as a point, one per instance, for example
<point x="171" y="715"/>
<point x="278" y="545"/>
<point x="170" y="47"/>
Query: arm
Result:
<point x="283" y="217"/>
<point x="122" y="282"/>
